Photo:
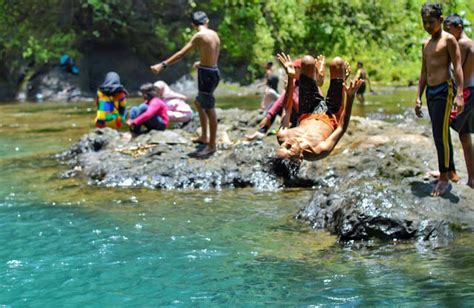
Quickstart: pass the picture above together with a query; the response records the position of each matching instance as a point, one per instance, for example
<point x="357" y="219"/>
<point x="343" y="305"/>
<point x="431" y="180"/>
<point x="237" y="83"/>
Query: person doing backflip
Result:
<point x="322" y="121"/>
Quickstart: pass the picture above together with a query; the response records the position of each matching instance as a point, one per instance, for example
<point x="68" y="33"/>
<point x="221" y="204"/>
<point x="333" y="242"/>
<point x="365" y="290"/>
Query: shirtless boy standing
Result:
<point x="437" y="55"/>
<point x="464" y="123"/>
<point x="322" y="121"/>
<point x="207" y="42"/>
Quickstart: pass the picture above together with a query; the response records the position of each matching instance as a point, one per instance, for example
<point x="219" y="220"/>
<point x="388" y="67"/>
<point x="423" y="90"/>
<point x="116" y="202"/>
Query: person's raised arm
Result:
<point x="287" y="64"/>
<point x="157" y="68"/>
<point x="455" y="55"/>
<point x="319" y="70"/>
<point x="421" y="84"/>
<point x="325" y="147"/>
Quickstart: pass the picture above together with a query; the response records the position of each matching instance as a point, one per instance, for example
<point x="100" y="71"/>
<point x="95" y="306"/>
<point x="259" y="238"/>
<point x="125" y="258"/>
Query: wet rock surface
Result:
<point x="377" y="187"/>
<point x="372" y="186"/>
<point x="163" y="159"/>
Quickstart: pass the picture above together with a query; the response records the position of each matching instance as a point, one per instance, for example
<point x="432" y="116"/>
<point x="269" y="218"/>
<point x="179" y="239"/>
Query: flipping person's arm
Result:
<point x="325" y="147"/>
<point x="288" y="103"/>
<point x="289" y="67"/>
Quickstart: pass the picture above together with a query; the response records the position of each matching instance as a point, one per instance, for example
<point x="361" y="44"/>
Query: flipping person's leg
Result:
<point x="334" y="97"/>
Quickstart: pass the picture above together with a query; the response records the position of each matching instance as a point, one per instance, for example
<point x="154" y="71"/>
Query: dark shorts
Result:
<point x="464" y="123"/>
<point x="362" y="89"/>
<point x="311" y="101"/>
<point x="208" y="79"/>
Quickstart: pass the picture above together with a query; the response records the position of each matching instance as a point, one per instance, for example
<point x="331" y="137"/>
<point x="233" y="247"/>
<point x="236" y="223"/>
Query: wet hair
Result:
<point x="454" y="20"/>
<point x="360" y="63"/>
<point x="286" y="168"/>
<point x="199" y="18"/>
<point x="148" y="90"/>
<point x="432" y="10"/>
<point x="270" y="63"/>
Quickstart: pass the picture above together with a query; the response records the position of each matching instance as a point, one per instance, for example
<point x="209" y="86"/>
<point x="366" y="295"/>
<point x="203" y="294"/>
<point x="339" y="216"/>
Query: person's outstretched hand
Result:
<point x="157" y="68"/>
<point x="319" y="68"/>
<point x="287" y="64"/>
<point x="353" y="86"/>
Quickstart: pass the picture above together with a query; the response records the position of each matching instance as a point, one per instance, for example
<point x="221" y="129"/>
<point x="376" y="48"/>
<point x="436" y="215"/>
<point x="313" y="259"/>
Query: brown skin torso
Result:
<point x="310" y="133"/>
<point x="436" y="55"/>
<point x="207" y="42"/>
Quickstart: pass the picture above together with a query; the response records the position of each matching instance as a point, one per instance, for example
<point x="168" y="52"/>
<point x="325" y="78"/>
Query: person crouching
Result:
<point x="153" y="113"/>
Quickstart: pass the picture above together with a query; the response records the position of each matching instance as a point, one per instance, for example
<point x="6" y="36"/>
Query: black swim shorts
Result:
<point x="208" y="79"/>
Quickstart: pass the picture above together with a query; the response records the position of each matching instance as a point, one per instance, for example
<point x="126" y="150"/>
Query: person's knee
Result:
<point x="337" y="64"/>
<point x="307" y="65"/>
<point x="336" y="68"/>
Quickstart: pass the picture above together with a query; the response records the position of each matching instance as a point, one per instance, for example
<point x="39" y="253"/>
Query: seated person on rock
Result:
<point x="271" y="87"/>
<point x="322" y="121"/>
<point x="178" y="110"/>
<point x="153" y="113"/>
<point x="111" y="101"/>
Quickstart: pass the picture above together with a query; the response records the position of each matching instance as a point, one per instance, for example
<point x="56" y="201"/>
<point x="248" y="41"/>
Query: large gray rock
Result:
<point x="377" y="188"/>
<point x="372" y="186"/>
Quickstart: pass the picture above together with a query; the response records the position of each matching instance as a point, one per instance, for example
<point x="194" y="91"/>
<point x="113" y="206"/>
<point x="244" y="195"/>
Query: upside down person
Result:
<point x="322" y="121"/>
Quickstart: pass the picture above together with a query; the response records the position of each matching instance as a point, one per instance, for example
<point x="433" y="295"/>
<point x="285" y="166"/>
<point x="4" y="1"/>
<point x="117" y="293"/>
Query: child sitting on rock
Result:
<point x="153" y="113"/>
<point x="178" y="110"/>
<point x="111" y="101"/>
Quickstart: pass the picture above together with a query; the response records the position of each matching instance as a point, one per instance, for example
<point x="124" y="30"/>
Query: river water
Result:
<point x="67" y="243"/>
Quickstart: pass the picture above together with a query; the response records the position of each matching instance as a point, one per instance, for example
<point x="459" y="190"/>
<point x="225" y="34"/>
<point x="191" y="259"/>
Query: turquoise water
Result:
<point x="67" y="243"/>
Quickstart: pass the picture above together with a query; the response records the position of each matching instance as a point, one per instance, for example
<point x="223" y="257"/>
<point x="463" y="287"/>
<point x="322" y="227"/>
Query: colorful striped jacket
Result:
<point x="110" y="109"/>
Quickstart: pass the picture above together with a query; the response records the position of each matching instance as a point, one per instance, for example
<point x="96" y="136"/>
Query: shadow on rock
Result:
<point x="423" y="190"/>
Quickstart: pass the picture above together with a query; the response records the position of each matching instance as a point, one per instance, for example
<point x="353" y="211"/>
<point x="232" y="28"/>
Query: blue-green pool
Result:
<point x="65" y="243"/>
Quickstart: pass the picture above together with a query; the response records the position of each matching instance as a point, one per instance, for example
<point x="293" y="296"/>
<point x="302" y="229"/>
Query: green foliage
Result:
<point x="30" y="33"/>
<point x="385" y="34"/>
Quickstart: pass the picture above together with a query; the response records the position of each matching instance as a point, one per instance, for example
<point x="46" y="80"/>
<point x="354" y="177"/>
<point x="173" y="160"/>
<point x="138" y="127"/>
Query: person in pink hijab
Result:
<point x="178" y="110"/>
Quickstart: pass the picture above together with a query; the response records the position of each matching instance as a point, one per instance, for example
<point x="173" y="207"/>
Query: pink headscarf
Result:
<point x="166" y="92"/>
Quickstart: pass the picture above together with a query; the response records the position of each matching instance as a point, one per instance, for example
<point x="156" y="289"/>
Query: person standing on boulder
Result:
<point x="438" y="53"/>
<point x="207" y="42"/>
<point x="464" y="123"/>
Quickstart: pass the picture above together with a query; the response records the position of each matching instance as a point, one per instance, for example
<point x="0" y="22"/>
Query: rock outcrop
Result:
<point x="372" y="186"/>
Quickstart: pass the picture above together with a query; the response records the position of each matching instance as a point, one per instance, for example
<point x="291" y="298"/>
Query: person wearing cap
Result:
<point x="207" y="42"/>
<point x="322" y="120"/>
<point x="111" y="102"/>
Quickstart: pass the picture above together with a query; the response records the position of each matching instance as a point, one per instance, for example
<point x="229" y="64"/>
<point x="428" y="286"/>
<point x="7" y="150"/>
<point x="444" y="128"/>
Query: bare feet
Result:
<point x="206" y="152"/>
<point x="440" y="188"/>
<point x="201" y="139"/>
<point x="452" y="175"/>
